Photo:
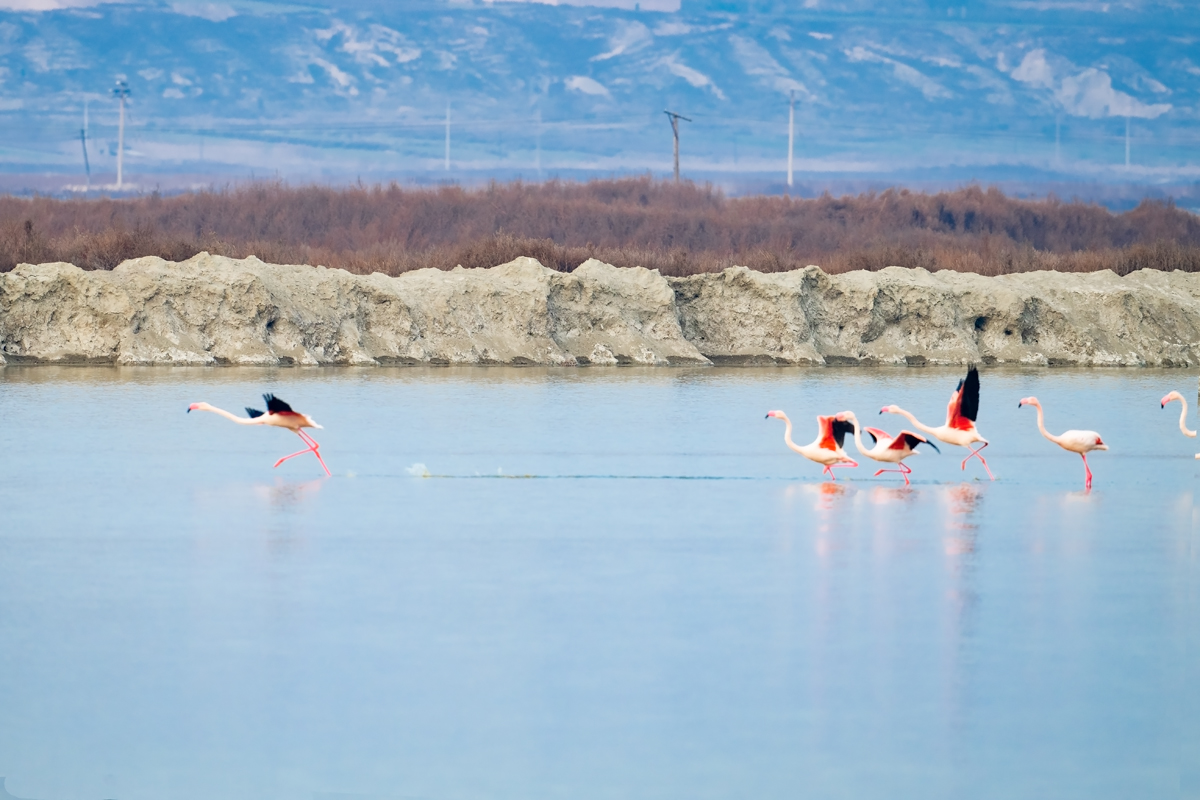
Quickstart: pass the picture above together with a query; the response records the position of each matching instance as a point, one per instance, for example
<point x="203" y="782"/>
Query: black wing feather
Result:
<point x="874" y="438"/>
<point x="253" y="412"/>
<point x="275" y="405"/>
<point x="840" y="429"/>
<point x="969" y="407"/>
<point x="913" y="441"/>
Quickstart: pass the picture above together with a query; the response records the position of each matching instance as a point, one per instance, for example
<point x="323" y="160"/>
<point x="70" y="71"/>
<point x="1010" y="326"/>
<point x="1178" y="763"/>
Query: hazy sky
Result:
<point x="1050" y="88"/>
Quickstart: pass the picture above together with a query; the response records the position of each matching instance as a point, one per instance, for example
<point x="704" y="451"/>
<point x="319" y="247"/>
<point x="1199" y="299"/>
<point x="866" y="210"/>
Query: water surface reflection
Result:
<point x="209" y="626"/>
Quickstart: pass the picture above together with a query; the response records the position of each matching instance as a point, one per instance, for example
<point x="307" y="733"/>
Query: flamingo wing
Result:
<point x="964" y="403"/>
<point x="276" y="406"/>
<point x="840" y="429"/>
<point x="877" y="435"/>
<point x="825" y="433"/>
<point x="254" y="413"/>
<point x="911" y="440"/>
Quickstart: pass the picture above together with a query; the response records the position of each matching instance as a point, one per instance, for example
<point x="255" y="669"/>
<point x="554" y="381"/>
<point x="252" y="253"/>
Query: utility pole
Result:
<point x="791" y="132"/>
<point x="83" y="132"/>
<point x="121" y="92"/>
<point x="671" y="115"/>
<point x="447" y="167"/>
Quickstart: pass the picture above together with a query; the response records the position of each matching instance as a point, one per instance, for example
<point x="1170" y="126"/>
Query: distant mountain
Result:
<point x="927" y="90"/>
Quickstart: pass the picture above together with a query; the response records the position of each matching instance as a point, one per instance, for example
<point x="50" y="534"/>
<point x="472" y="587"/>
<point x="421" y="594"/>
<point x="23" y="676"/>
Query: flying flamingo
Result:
<point x="887" y="449"/>
<point x="827" y="449"/>
<point x="279" y="415"/>
<point x="1182" y="414"/>
<point x="1082" y="442"/>
<point x="960" y="419"/>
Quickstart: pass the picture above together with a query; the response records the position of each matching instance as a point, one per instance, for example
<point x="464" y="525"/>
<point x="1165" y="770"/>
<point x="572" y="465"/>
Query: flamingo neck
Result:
<point x="233" y="417"/>
<point x="858" y="439"/>
<point x="787" y="435"/>
<point x="916" y="421"/>
<point x="1042" y="424"/>
<point x="1183" y="419"/>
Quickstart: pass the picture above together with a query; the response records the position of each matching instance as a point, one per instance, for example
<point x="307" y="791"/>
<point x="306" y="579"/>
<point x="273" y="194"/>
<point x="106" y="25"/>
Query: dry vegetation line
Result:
<point x="216" y="310"/>
<point x="677" y="229"/>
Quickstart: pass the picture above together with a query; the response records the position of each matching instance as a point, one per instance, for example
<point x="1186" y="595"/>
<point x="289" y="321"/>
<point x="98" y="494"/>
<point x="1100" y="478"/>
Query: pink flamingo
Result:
<point x="887" y="449"/>
<point x="1182" y="414"/>
<point x="279" y="415"/>
<point x="1082" y="442"/>
<point x="827" y="449"/>
<point x="960" y="419"/>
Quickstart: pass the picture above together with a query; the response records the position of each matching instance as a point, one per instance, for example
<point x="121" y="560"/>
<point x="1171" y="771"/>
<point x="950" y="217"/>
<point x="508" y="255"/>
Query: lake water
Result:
<point x="619" y="583"/>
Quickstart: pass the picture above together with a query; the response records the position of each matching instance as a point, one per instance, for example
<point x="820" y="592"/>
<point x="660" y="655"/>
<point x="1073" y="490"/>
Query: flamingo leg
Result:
<point x="904" y="471"/>
<point x="316" y="450"/>
<point x="313" y="448"/>
<point x="831" y="467"/>
<point x="828" y="470"/>
<point x="975" y="454"/>
<point x="1087" y="470"/>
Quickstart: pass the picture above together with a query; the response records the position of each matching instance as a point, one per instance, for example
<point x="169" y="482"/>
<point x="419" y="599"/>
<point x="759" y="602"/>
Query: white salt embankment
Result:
<point x="216" y="310"/>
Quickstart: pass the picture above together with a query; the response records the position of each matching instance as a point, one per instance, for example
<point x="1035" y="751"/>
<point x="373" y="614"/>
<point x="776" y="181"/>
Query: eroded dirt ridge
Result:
<point x="217" y="310"/>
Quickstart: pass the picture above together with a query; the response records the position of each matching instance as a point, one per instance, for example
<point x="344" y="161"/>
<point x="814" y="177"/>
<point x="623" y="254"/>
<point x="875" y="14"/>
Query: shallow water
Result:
<point x="666" y="603"/>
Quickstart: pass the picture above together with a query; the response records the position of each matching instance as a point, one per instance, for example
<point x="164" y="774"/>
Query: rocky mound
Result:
<point x="215" y="310"/>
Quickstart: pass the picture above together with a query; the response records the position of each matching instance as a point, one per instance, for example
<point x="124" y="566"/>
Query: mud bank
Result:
<point x="215" y="310"/>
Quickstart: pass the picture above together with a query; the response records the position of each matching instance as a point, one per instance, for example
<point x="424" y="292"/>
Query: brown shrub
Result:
<point x="678" y="229"/>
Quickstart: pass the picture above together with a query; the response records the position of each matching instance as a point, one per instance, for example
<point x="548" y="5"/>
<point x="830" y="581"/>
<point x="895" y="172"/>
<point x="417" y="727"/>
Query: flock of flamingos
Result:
<point x="827" y="450"/>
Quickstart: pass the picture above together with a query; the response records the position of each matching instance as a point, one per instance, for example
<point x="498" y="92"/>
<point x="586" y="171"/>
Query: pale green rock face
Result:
<point x="212" y="310"/>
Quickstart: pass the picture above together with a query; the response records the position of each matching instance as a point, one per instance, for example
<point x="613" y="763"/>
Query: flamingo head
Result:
<point x="890" y="410"/>
<point x="1028" y="401"/>
<point x="847" y="416"/>
<point x="1170" y="397"/>
<point x="196" y="407"/>
<point x="776" y="415"/>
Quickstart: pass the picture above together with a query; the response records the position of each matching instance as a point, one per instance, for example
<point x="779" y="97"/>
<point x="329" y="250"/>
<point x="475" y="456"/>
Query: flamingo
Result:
<point x="827" y="449"/>
<point x="887" y="449"/>
<point x="1182" y="414"/>
<point x="1082" y="442"/>
<point x="279" y="415"/>
<point x="960" y="419"/>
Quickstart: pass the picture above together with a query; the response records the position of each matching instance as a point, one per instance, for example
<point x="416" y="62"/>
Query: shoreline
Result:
<point x="217" y="311"/>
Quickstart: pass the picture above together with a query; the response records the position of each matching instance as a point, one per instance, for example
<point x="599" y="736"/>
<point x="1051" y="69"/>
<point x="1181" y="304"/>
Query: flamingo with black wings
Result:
<point x="279" y="415"/>
<point x="887" y="449"/>
<point x="827" y="449"/>
<point x="960" y="428"/>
